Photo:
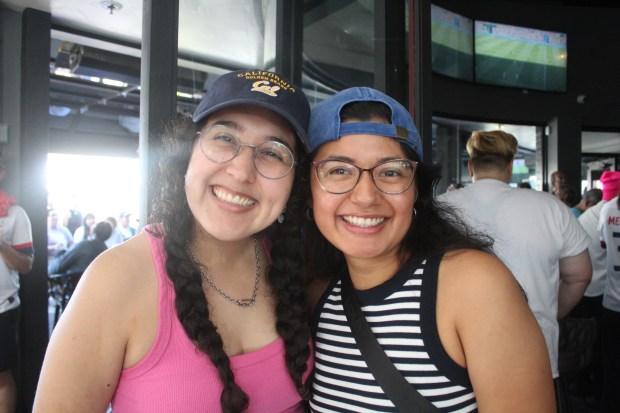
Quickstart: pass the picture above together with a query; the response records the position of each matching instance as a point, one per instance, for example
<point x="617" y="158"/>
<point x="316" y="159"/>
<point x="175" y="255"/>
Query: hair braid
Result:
<point x="172" y="212"/>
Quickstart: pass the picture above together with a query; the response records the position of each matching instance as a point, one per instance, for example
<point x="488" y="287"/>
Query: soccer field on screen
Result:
<point x="528" y="65"/>
<point x="452" y="51"/>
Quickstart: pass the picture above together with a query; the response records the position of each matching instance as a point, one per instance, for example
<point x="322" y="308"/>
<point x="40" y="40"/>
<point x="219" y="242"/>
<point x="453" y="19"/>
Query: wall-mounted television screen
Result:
<point x="520" y="57"/>
<point x="452" y="44"/>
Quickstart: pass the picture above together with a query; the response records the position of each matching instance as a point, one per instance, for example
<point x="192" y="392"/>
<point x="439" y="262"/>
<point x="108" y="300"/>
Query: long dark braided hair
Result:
<point x="172" y="214"/>
<point x="435" y="228"/>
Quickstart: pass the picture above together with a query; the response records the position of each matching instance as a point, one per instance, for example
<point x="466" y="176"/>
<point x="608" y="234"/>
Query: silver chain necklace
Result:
<point x="244" y="302"/>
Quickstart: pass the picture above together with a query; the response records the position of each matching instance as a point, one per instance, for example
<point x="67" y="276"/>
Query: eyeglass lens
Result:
<point x="391" y="177"/>
<point x="272" y="159"/>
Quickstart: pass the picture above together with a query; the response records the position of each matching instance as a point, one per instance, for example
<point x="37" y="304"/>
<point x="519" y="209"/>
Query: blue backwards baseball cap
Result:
<point x="259" y="88"/>
<point x="325" y="125"/>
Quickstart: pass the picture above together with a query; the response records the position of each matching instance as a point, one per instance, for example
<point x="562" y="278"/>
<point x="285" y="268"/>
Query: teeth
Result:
<point x="363" y="222"/>
<point x="232" y="199"/>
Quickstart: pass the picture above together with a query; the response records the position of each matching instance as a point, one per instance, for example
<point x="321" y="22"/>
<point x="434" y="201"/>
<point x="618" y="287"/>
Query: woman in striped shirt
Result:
<point x="448" y="314"/>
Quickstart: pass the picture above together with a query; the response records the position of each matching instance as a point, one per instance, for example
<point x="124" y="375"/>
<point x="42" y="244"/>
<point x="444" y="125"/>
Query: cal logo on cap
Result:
<point x="262" y="86"/>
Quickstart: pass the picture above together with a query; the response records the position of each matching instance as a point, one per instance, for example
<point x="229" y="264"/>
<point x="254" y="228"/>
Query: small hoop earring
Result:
<point x="281" y="216"/>
<point x="414" y="214"/>
<point x="309" y="214"/>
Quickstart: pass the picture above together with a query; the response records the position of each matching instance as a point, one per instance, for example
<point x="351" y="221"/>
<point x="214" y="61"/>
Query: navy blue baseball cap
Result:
<point x="325" y="125"/>
<point x="259" y="88"/>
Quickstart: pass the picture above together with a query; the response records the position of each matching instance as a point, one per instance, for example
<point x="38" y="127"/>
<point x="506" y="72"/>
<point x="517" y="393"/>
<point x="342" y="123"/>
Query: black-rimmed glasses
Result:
<point x="221" y="144"/>
<point x="390" y="177"/>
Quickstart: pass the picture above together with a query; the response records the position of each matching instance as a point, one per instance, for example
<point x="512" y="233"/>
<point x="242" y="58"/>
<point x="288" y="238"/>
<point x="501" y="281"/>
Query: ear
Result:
<point x="470" y="167"/>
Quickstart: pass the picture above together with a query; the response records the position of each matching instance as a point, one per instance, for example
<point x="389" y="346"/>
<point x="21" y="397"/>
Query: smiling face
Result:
<point x="365" y="222"/>
<point x="231" y="200"/>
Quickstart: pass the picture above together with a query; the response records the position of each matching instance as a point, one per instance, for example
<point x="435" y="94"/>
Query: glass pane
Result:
<point x="600" y="142"/>
<point x="228" y="33"/>
<point x="94" y="99"/>
<point x="217" y="36"/>
<point x="339" y="43"/>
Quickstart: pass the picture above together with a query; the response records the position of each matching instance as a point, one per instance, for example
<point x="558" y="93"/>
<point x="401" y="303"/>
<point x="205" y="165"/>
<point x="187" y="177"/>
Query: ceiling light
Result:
<point x="111" y="5"/>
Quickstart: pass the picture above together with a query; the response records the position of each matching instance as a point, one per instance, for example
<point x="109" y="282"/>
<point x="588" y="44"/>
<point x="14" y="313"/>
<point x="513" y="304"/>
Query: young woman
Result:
<point x="197" y="313"/>
<point x="448" y="314"/>
<point x="86" y="231"/>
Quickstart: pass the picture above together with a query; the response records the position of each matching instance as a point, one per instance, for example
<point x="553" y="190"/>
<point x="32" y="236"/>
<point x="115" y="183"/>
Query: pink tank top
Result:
<point x="177" y="377"/>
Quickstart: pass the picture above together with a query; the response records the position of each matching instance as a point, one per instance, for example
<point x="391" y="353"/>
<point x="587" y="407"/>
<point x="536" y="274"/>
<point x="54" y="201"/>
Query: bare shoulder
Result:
<point x="485" y="325"/>
<point x="120" y="279"/>
<point x="112" y="314"/>
<point x="122" y="266"/>
<point x="475" y="270"/>
<point x="470" y="283"/>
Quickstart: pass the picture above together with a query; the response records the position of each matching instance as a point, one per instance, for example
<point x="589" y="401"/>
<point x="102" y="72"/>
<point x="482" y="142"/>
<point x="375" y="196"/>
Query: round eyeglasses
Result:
<point x="390" y="177"/>
<point x="221" y="144"/>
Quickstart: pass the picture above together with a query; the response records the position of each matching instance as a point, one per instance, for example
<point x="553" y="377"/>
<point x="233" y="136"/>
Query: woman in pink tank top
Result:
<point x="200" y="311"/>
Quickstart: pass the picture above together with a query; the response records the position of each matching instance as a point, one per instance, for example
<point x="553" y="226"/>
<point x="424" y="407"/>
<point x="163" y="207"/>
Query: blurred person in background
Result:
<point x="16" y="257"/>
<point x="86" y="231"/>
<point x="557" y="178"/>
<point x="124" y="225"/>
<point x="117" y="236"/>
<point x="590" y="198"/>
<point x="83" y="253"/>
<point x="589" y="382"/>
<point x="59" y="238"/>
<point x="609" y="227"/>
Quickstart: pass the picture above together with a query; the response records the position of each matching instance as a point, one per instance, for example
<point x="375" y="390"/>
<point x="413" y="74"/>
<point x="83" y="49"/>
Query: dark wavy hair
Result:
<point x="174" y="222"/>
<point x="435" y="229"/>
<point x="89" y="231"/>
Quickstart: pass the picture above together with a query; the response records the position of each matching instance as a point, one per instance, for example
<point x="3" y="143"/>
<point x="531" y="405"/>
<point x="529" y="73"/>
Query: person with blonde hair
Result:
<point x="535" y="234"/>
<point x="491" y="148"/>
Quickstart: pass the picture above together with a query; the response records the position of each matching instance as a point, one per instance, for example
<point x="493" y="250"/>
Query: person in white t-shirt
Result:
<point x="16" y="257"/>
<point x="609" y="225"/>
<point x="536" y="235"/>
<point x="589" y="381"/>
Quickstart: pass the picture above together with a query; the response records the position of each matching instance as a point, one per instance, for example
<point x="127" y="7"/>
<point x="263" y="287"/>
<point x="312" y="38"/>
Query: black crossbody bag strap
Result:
<point x="404" y="396"/>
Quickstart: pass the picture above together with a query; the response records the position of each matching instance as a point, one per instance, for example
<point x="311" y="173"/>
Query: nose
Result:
<point x="241" y="167"/>
<point x="365" y="192"/>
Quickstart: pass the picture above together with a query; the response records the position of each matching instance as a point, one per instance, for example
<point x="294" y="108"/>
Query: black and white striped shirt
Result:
<point x="401" y="314"/>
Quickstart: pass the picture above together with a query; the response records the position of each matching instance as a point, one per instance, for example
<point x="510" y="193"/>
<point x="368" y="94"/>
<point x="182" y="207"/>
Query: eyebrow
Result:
<point x="233" y="125"/>
<point x="351" y="160"/>
<point x="227" y="123"/>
